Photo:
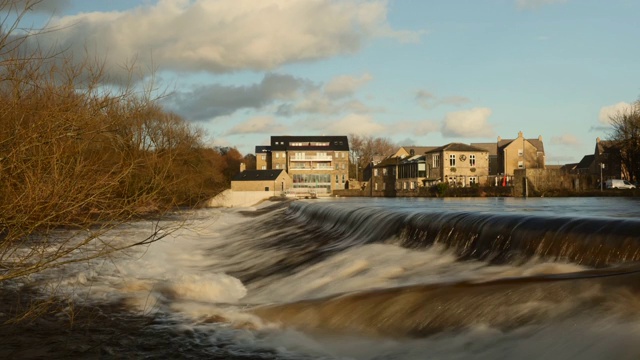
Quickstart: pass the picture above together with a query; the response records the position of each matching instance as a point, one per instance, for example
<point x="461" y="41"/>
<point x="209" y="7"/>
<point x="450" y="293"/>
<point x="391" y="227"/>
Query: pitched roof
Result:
<point x="586" y="162"/>
<point x="492" y="148"/>
<point x="457" y="147"/>
<point x="417" y="150"/>
<point x="257" y="175"/>
<point x="537" y="143"/>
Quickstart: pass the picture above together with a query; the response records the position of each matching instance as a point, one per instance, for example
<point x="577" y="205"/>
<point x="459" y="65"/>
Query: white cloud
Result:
<point x="225" y="35"/>
<point x="566" y="140"/>
<point x="534" y="4"/>
<point x="429" y="101"/>
<point x="606" y="112"/>
<point x="345" y="85"/>
<point x="468" y="123"/>
<point x="258" y="125"/>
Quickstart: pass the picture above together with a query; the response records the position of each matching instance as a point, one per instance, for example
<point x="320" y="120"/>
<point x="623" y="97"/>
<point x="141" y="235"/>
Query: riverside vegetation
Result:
<point x="84" y="153"/>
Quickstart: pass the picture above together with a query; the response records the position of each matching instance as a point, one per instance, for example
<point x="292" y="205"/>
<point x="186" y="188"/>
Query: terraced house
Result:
<point x="318" y="164"/>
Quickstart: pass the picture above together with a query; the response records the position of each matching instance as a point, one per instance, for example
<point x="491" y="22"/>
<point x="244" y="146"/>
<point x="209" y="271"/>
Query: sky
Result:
<point x="417" y="72"/>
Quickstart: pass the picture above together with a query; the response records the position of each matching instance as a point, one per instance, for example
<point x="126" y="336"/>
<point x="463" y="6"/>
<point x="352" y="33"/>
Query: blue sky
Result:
<point x="421" y="72"/>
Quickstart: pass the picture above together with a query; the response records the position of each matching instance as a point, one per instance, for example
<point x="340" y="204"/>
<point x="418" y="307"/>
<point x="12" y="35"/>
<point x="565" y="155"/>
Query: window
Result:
<point x="264" y="167"/>
<point x="412" y="185"/>
<point x="375" y="186"/>
<point x="384" y="186"/>
<point x="344" y="166"/>
<point x="384" y="171"/>
<point x="520" y="164"/>
<point x="337" y="179"/>
<point x="473" y="180"/>
<point x="342" y="153"/>
<point x="472" y="160"/>
<point x="404" y="185"/>
<point x="343" y="178"/>
<point x="436" y="160"/>
<point x="277" y="155"/>
<point x="375" y="172"/>
<point x="337" y="166"/>
<point x="264" y="157"/>
<point x="452" y="160"/>
<point x="520" y="152"/>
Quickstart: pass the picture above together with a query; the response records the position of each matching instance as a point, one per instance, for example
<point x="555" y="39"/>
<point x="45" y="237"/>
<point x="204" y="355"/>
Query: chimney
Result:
<point x="540" y="138"/>
<point x="519" y="134"/>
<point x="499" y="138"/>
<point x="243" y="167"/>
<point x="598" y="139"/>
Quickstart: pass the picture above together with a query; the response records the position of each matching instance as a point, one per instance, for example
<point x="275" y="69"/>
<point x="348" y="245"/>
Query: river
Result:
<point x="481" y="278"/>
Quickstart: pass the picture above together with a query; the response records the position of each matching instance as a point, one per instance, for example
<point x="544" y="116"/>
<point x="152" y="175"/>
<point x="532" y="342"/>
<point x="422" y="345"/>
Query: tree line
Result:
<point x="77" y="152"/>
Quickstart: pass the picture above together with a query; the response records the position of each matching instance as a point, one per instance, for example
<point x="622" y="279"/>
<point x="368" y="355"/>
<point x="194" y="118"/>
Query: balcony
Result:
<point x="312" y="158"/>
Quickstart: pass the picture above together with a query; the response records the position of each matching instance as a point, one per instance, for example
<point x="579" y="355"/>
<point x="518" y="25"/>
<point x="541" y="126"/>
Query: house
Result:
<point x="606" y="159"/>
<point x="385" y="177"/>
<point x="318" y="164"/>
<point x="457" y="164"/>
<point x="520" y="153"/>
<point x="274" y="182"/>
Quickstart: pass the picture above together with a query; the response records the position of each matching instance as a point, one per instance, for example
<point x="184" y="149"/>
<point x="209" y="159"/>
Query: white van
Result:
<point x="619" y="184"/>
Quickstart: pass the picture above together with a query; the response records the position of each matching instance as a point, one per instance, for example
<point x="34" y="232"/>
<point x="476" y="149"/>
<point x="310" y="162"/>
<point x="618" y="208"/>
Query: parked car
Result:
<point x="619" y="184"/>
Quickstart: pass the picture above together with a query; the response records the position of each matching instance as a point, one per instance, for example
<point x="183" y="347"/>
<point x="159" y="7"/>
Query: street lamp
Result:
<point x="601" y="167"/>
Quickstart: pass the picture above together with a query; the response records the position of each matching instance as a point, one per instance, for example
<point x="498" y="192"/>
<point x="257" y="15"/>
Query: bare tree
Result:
<point x="626" y="136"/>
<point x="363" y="149"/>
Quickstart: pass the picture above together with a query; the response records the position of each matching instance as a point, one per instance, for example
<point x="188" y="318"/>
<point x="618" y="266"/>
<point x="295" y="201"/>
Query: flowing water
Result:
<point x="390" y="279"/>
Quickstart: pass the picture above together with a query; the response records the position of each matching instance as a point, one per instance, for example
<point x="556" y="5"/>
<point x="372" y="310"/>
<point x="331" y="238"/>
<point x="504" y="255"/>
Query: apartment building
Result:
<point x="317" y="164"/>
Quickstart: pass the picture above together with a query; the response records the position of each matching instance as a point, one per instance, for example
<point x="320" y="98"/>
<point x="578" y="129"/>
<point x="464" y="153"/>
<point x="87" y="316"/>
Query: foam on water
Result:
<point x="188" y="276"/>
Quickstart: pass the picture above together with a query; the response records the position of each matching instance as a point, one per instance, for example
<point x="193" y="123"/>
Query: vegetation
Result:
<point x="81" y="154"/>
<point x="626" y="135"/>
<point x="362" y="152"/>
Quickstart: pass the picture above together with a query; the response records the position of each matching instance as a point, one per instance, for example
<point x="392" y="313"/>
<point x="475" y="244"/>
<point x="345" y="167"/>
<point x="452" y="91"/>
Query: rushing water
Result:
<point x="391" y="279"/>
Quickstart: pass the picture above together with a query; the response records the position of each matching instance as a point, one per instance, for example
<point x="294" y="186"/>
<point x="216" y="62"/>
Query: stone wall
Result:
<point x="540" y="181"/>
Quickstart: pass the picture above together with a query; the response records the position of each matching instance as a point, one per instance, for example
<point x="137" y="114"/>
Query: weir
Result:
<point x="498" y="238"/>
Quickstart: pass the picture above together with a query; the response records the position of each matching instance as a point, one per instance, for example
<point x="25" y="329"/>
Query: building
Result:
<point x="263" y="157"/>
<point x="318" y="164"/>
<point x="457" y="164"/>
<point x="492" y="149"/>
<point x="606" y="160"/>
<point x="520" y="153"/>
<point x="274" y="182"/>
<point x="410" y="150"/>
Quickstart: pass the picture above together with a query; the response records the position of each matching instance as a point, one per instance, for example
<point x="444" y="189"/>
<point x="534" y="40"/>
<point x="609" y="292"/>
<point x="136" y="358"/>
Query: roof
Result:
<point x="262" y="149"/>
<point x="417" y="150"/>
<point x="586" y="162"/>
<point x="492" y="148"/>
<point x="330" y="143"/>
<point x="257" y="175"/>
<point x="537" y="143"/>
<point x="387" y="162"/>
<point x="457" y="147"/>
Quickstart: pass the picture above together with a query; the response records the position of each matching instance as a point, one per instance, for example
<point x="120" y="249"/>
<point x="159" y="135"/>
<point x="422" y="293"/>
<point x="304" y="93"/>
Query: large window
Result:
<point x="436" y="160"/>
<point x="312" y="181"/>
<point x="472" y="160"/>
<point x="452" y="160"/>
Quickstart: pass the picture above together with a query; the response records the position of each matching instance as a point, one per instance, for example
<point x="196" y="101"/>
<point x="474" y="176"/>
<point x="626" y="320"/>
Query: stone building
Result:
<point x="274" y="182"/>
<point x="520" y="153"/>
<point x="457" y="164"/>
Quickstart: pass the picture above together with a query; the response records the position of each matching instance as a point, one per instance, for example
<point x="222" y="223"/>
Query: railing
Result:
<point x="312" y="158"/>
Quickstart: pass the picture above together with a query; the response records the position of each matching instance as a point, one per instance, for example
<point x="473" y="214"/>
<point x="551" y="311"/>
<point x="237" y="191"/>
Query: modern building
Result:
<point x="318" y="164"/>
